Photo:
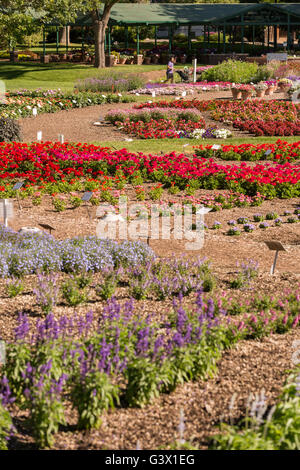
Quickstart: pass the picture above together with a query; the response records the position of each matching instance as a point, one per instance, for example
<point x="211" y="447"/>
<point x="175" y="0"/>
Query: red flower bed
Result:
<point x="280" y="152"/>
<point x="272" y="128"/>
<point x="160" y="129"/>
<point x="180" y="104"/>
<point x="39" y="164"/>
<point x="255" y="116"/>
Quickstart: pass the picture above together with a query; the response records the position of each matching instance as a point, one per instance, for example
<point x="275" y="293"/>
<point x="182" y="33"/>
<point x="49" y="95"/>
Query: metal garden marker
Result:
<point x="39" y="136"/>
<point x="16" y="187"/>
<point x="86" y="198"/>
<point x="47" y="227"/>
<point x="6" y="209"/>
<point x="274" y="246"/>
<point x="34" y="112"/>
<point x="61" y="138"/>
<point x="268" y="152"/>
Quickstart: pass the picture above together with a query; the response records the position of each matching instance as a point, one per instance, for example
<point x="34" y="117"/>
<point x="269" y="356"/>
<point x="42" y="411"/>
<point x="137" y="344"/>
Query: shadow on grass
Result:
<point x="10" y="71"/>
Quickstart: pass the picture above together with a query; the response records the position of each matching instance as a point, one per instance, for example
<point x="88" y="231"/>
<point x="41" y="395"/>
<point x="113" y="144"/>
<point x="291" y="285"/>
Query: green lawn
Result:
<point x="179" y="145"/>
<point x="58" y="75"/>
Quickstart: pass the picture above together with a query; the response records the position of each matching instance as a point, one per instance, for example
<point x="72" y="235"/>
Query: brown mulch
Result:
<point x="249" y="368"/>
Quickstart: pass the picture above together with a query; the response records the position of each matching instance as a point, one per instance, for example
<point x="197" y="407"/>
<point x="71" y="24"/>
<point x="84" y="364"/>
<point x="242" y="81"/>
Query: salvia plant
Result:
<point x="47" y="292"/>
<point x="90" y="362"/>
<point x="266" y="428"/>
<point x="14" y="287"/>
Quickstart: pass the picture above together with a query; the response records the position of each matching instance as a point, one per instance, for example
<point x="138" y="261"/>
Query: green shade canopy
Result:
<point x="194" y="14"/>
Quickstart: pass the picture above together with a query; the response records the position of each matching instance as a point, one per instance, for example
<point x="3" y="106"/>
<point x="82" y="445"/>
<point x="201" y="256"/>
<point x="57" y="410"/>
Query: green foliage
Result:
<point x="272" y="216"/>
<point x="232" y="71"/>
<point x="92" y="396"/>
<point x="278" y="431"/>
<point x="145" y="381"/>
<point x="5" y="427"/>
<point x="72" y="294"/>
<point x="209" y="282"/>
<point x="46" y="416"/>
<point x="173" y="189"/>
<point x="59" y="204"/>
<point x="83" y="280"/>
<point x="10" y="130"/>
<point x="17" y="27"/>
<point x="14" y="287"/>
<point x="156" y="193"/>
<point x="75" y="201"/>
<point x="107" y="289"/>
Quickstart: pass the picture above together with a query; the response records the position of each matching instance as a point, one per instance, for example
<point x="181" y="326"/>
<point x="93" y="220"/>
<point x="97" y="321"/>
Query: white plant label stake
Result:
<point x="6" y="209"/>
<point x="61" y="138"/>
<point x="194" y="70"/>
<point x="39" y="136"/>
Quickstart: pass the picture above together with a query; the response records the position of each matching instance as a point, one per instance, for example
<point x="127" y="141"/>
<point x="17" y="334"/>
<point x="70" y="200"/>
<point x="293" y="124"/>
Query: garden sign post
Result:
<point x="274" y="246"/>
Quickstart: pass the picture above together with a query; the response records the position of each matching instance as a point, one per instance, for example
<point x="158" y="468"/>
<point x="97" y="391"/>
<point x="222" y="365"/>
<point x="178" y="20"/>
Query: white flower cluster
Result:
<point x="217" y="133"/>
<point x="197" y="133"/>
<point x="222" y="133"/>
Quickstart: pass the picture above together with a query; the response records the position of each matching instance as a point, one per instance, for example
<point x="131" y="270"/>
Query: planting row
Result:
<point x="257" y="117"/>
<point x="21" y="103"/>
<point x="165" y="124"/>
<point x="22" y="254"/>
<point x="280" y="152"/>
<point x="94" y="363"/>
<point x="38" y="164"/>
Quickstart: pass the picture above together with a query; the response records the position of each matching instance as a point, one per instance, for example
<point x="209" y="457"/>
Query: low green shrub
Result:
<point x="232" y="71"/>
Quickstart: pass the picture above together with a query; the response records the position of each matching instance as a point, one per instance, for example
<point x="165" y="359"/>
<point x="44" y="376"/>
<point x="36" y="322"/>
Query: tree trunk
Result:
<point x="99" y="31"/>
<point x="99" y="26"/>
<point x="63" y="32"/>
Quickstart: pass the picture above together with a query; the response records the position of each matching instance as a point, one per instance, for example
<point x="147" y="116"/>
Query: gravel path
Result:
<point x="76" y="125"/>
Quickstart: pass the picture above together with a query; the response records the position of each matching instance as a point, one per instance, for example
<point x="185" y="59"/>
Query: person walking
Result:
<point x="170" y="70"/>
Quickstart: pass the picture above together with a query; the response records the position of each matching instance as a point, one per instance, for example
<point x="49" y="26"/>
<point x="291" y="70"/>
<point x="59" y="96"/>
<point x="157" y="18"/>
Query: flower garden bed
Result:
<point x="157" y="124"/>
<point x="257" y="117"/>
<point x="38" y="164"/>
<point x="164" y="89"/>
<point x="111" y="336"/>
<point x="21" y="104"/>
<point x="280" y="152"/>
<point x="151" y="347"/>
<point x="122" y="350"/>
